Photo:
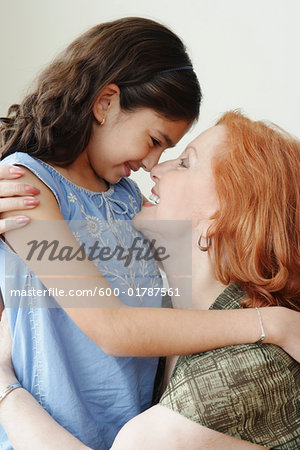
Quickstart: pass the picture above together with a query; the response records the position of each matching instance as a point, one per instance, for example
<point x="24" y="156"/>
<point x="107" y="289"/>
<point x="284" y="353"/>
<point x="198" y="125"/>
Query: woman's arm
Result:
<point x="35" y="427"/>
<point x="162" y="428"/>
<point x="139" y="331"/>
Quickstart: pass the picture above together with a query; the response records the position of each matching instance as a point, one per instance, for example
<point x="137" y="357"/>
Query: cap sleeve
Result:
<point x="251" y="392"/>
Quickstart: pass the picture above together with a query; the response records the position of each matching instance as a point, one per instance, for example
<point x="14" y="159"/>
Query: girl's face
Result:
<point x="130" y="140"/>
<point x="185" y="186"/>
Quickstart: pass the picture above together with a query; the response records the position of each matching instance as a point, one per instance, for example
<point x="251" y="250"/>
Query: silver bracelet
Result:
<point x="8" y="390"/>
<point x="262" y="337"/>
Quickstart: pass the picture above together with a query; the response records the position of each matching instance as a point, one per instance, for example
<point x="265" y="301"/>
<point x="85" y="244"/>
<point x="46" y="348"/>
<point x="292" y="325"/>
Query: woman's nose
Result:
<point x="159" y="169"/>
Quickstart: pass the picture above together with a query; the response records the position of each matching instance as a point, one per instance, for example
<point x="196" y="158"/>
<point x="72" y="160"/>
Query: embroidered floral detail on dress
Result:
<point x="77" y="236"/>
<point x="95" y="226"/>
<point x="72" y="198"/>
<point x="118" y="206"/>
<point x="133" y="205"/>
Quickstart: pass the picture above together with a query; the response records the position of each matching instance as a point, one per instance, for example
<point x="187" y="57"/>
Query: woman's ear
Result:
<point x="108" y="96"/>
<point x="201" y="229"/>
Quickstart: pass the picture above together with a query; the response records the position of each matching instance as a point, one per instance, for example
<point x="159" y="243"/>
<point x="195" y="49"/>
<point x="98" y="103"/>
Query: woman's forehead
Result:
<point x="209" y="140"/>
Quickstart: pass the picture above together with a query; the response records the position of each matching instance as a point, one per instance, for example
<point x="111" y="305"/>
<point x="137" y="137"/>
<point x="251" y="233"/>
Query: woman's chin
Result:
<point x="142" y="223"/>
<point x="145" y="214"/>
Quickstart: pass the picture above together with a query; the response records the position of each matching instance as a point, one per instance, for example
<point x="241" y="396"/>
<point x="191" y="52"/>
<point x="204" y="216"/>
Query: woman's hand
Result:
<point x="7" y="374"/>
<point x="15" y="196"/>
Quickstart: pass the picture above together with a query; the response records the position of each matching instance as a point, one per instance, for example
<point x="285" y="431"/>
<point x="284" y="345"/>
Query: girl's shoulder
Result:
<point x="41" y="170"/>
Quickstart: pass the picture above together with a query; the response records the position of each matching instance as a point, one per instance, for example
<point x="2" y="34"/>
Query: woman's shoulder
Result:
<point x="250" y="361"/>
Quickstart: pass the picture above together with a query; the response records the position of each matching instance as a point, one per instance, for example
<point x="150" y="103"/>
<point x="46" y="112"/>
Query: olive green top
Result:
<point x="248" y="391"/>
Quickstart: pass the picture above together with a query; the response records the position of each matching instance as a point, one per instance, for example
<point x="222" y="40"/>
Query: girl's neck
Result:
<point x="81" y="173"/>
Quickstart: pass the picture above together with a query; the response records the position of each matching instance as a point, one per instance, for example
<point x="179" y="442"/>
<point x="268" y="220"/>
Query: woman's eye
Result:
<point x="155" y="142"/>
<point x="183" y="163"/>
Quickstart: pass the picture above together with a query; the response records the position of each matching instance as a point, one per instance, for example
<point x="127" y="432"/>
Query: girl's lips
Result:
<point x="127" y="170"/>
<point x="148" y="204"/>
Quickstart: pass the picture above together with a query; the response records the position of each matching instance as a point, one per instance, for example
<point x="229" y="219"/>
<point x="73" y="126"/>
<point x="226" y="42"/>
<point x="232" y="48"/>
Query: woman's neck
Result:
<point x="198" y="287"/>
<point x="206" y="288"/>
<point x="81" y="173"/>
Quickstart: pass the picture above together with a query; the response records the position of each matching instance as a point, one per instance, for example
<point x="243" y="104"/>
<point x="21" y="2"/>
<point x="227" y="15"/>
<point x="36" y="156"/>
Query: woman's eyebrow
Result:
<point x="191" y="150"/>
<point x="190" y="147"/>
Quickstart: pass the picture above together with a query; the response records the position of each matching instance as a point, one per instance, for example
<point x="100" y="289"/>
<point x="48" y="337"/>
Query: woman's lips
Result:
<point x="148" y="204"/>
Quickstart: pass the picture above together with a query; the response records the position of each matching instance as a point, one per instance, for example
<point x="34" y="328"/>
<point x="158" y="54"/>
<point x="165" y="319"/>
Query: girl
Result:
<point x="112" y="102"/>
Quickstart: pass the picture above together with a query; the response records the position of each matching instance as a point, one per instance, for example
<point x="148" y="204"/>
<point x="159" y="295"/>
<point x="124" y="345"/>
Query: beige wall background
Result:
<point x="245" y="52"/>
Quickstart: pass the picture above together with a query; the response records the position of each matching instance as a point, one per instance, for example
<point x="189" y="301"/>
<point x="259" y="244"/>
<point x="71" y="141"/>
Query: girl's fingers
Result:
<point x="12" y="223"/>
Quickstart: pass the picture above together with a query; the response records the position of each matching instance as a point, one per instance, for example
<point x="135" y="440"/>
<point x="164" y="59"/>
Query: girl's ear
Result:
<point x="109" y="94"/>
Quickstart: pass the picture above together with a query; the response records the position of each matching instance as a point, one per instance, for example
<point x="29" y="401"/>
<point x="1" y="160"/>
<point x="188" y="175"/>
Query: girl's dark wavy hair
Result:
<point x="54" y="122"/>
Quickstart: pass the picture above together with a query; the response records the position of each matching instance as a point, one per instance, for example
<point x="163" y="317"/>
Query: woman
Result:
<point x="225" y="159"/>
<point x="242" y="182"/>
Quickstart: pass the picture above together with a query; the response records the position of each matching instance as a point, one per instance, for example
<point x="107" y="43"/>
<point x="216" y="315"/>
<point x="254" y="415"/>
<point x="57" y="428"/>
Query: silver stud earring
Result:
<point x="202" y="247"/>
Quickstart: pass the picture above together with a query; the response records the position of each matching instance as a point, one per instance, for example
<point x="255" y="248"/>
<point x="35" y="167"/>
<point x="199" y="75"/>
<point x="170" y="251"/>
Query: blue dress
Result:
<point x="88" y="392"/>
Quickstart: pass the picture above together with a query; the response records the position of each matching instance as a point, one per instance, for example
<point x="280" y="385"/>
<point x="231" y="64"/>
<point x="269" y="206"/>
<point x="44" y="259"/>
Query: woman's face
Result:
<point x="130" y="140"/>
<point x="185" y="186"/>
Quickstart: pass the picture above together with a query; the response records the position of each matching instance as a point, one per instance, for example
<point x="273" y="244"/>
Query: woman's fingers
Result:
<point x="15" y="196"/>
<point x="17" y="203"/>
<point x="8" y="189"/>
<point x="12" y="223"/>
<point x="8" y="172"/>
<point x="11" y="172"/>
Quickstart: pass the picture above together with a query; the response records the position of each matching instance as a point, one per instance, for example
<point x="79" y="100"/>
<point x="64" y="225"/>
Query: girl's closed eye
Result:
<point x="155" y="142"/>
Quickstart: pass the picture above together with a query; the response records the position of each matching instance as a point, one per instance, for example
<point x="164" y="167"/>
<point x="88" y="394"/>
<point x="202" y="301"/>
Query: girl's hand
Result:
<point x="291" y="334"/>
<point x="15" y="196"/>
<point x="7" y="374"/>
<point x="284" y="325"/>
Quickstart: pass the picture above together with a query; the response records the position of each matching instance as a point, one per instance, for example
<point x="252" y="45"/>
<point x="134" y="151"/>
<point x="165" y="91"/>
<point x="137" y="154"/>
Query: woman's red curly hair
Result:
<point x="256" y="231"/>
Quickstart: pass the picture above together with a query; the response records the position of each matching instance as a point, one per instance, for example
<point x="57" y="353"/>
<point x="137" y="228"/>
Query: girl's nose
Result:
<point x="150" y="160"/>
